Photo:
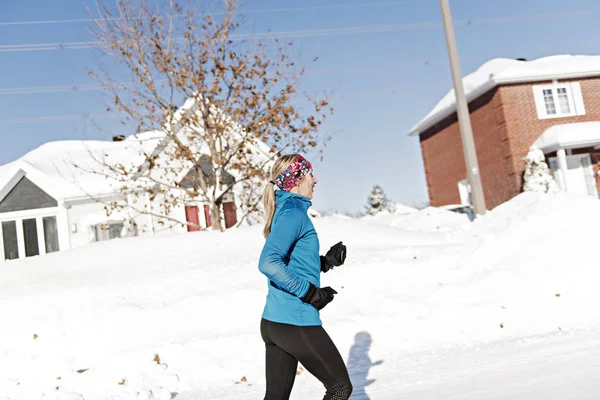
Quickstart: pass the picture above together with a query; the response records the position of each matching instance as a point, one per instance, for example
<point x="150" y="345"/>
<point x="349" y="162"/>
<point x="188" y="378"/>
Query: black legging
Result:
<point x="312" y="346"/>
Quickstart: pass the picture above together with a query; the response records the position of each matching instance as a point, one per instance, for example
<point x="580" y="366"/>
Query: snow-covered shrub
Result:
<point x="537" y="177"/>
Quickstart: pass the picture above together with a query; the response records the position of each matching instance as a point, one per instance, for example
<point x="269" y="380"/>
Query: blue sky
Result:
<point x="378" y="95"/>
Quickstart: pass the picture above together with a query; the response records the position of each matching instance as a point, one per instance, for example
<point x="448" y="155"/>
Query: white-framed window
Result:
<point x="558" y="100"/>
<point x="107" y="231"/>
<point x="28" y="236"/>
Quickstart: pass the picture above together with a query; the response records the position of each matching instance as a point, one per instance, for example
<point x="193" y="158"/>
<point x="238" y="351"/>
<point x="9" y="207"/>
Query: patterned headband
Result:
<point x="293" y="174"/>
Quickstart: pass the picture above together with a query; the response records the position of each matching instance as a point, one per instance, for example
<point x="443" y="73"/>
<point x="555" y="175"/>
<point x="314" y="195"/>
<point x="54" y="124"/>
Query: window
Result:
<point x="32" y="247"/>
<point x="10" y="241"/>
<point x="114" y="231"/>
<point x="30" y="235"/>
<point x="107" y="231"/>
<point x="559" y="100"/>
<point x="563" y="100"/>
<point x="50" y="234"/>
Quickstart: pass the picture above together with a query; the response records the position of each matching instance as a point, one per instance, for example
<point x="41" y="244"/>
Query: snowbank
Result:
<point x="146" y="318"/>
<point x="429" y="219"/>
<point x="400" y="208"/>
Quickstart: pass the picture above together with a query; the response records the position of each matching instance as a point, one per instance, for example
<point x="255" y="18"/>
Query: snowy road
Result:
<point x="565" y="366"/>
<point x="562" y="367"/>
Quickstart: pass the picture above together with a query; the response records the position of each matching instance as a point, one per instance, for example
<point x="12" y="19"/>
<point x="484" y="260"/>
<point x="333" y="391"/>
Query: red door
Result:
<point x="207" y="215"/>
<point x="230" y="214"/>
<point x="191" y="215"/>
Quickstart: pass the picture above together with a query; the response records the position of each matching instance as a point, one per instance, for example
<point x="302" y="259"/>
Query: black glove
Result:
<point x="318" y="297"/>
<point x="334" y="257"/>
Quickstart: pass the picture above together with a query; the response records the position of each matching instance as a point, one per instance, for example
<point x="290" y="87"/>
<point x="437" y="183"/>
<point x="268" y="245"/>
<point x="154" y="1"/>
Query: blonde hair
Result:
<point x="269" y="194"/>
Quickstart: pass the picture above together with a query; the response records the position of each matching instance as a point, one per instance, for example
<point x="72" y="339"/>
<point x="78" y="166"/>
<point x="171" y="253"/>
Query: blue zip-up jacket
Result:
<point x="290" y="260"/>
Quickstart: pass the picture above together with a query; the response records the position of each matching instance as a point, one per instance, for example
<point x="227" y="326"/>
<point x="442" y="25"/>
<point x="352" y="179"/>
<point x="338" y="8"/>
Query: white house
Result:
<point x="51" y="201"/>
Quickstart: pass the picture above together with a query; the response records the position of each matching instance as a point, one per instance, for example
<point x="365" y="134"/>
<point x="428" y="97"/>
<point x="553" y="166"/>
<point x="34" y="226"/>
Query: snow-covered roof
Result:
<point x="64" y="168"/>
<point x="501" y="71"/>
<point x="75" y="169"/>
<point x="569" y="136"/>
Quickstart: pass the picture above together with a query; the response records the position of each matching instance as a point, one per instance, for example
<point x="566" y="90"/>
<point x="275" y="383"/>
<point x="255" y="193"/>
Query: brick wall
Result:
<point x="443" y="155"/>
<point x="505" y="124"/>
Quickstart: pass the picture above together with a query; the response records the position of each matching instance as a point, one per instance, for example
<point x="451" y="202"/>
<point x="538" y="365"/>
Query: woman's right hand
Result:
<point x="319" y="297"/>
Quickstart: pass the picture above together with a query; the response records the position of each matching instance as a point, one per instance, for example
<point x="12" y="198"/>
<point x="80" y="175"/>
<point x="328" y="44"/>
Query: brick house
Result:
<point x="552" y="103"/>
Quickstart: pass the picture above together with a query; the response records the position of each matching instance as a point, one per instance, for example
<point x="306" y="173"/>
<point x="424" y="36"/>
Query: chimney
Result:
<point x="118" y="138"/>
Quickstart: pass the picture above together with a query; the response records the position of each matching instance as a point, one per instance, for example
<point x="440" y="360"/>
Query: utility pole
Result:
<point x="462" y="110"/>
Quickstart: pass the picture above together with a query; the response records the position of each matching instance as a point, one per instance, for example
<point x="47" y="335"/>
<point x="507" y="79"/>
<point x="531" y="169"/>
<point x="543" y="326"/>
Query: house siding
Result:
<point x="172" y="223"/>
<point x="82" y="216"/>
<point x="505" y="125"/>
<point x="81" y="232"/>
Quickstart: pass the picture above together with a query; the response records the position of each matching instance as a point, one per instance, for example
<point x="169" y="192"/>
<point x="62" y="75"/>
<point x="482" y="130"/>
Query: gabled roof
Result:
<point x="502" y="71"/>
<point x="569" y="136"/>
<point x="12" y="173"/>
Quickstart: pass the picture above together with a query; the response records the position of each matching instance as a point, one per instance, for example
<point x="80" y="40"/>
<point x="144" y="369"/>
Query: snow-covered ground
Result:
<point x="430" y="306"/>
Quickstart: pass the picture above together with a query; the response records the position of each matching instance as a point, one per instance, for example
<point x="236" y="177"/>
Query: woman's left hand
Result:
<point x="334" y="257"/>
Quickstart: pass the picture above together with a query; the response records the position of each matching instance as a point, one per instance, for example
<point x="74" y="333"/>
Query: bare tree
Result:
<point x="226" y="104"/>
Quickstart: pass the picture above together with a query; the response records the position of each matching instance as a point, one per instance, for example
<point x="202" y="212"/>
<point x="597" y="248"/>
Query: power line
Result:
<point x="340" y="31"/>
<point x="50" y="89"/>
<point x="304" y="33"/>
<point x="122" y="85"/>
<point x="79" y="117"/>
<point x="263" y="35"/>
<point x="380" y="67"/>
<point x="265" y="11"/>
<point x="58" y="118"/>
<point x="327" y="31"/>
<point x="11" y="48"/>
<point x="58" y="21"/>
<point x="332" y="6"/>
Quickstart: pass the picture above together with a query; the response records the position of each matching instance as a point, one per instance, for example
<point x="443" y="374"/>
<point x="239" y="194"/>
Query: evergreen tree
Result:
<point x="377" y="201"/>
<point x="537" y="176"/>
